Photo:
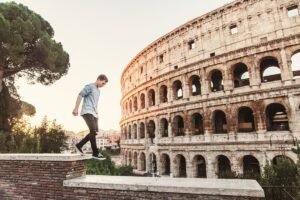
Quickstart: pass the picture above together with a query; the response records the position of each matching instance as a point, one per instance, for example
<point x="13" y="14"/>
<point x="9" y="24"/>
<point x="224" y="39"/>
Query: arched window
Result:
<point x="164" y="127"/>
<point x="270" y="70"/>
<point x="177" y="90"/>
<point x="180" y="166"/>
<point x="296" y="64"/>
<point x="135" y="104"/>
<point x="220" y="122"/>
<point x="216" y="81"/>
<point x="240" y="75"/>
<point x="199" y="167"/>
<point x="165" y="164"/>
<point x="178" y="126"/>
<point x="277" y="118"/>
<point x="142" y="100"/>
<point x="197" y="124"/>
<point x="163" y="94"/>
<point x="195" y="86"/>
<point x="224" y="166"/>
<point x="151" y="97"/>
<point x="246" y="120"/>
<point x="250" y="165"/>
<point x="142" y="130"/>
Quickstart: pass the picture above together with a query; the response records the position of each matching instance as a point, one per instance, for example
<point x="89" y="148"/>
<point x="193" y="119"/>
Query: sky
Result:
<point x="101" y="37"/>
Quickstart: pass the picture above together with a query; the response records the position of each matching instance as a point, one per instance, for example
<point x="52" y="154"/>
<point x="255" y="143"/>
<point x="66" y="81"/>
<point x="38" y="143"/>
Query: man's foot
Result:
<point x="99" y="156"/>
<point x="78" y="149"/>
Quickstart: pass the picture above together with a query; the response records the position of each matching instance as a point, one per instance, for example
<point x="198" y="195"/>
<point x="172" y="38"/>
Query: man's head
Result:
<point x="101" y="80"/>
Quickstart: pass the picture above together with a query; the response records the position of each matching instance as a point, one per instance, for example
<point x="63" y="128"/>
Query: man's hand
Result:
<point x="75" y="112"/>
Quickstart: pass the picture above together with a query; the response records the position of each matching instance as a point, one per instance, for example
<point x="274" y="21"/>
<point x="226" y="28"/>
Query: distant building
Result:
<point x="104" y="139"/>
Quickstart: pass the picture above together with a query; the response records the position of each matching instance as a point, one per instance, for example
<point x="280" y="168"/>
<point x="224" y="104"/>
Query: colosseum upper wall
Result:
<point x="221" y="92"/>
<point x="227" y="29"/>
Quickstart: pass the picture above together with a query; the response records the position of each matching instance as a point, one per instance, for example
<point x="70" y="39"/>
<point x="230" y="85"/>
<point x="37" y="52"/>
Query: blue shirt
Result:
<point x="91" y="94"/>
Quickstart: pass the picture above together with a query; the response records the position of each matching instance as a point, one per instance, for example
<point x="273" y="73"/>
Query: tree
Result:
<point x="52" y="137"/>
<point x="27" y="47"/>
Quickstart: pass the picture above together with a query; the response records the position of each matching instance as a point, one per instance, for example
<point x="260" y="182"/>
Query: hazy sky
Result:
<point x="102" y="36"/>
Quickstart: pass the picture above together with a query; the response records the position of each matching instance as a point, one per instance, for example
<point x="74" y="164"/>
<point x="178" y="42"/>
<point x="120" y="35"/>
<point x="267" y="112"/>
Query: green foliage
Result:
<point x="52" y="137"/>
<point x="107" y="167"/>
<point x="49" y="137"/>
<point x="28" y="45"/>
<point x="284" y="173"/>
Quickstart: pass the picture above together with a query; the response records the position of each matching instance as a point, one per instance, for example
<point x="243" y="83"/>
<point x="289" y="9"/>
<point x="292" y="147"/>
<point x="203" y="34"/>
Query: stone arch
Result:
<point x="178" y="126"/>
<point x="126" y="158"/>
<point x="142" y="162"/>
<point x="164" y="127"/>
<point x="223" y="165"/>
<point x="246" y="122"/>
<point x="125" y="132"/>
<point x="197" y="124"/>
<point x="199" y="167"/>
<point x="295" y="65"/>
<point x="195" y="85"/>
<point x="216" y="80"/>
<point x="129" y="158"/>
<point x="269" y="69"/>
<point x="142" y="130"/>
<point x="276" y="117"/>
<point x="177" y="90"/>
<point x="250" y="165"/>
<point x="240" y="75"/>
<point x="129" y="132"/>
<point x="165" y="164"/>
<point x="179" y="166"/>
<point x="135" y="159"/>
<point x="153" y="162"/>
<point x="134" y="131"/>
<point x="276" y="159"/>
<point x="135" y="104"/>
<point x="130" y="105"/>
<point x="151" y="129"/>
<point x="163" y="94"/>
<point x="219" y="122"/>
<point x="142" y="100"/>
<point x="151" y="97"/>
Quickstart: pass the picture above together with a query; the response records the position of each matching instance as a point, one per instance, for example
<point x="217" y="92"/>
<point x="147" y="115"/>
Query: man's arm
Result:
<point x="83" y="93"/>
<point x="75" y="111"/>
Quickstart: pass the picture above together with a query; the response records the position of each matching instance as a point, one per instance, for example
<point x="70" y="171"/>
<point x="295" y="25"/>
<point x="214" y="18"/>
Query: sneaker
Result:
<point x="99" y="157"/>
<point x="78" y="149"/>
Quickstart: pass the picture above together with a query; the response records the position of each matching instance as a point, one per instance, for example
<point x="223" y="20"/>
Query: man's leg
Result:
<point x="90" y="121"/>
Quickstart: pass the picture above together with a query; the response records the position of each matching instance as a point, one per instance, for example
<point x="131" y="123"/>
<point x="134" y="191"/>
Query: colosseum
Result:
<point x="221" y="92"/>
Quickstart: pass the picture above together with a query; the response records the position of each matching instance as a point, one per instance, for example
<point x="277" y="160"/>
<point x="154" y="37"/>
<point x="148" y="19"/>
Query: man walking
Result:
<point x="89" y="111"/>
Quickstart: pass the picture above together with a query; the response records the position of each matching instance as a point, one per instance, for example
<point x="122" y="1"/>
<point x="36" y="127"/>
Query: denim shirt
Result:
<point x="90" y="94"/>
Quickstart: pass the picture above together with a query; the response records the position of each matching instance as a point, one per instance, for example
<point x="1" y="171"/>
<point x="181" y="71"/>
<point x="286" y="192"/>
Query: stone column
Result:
<point x="255" y="73"/>
<point x="211" y="167"/>
<point x="186" y="87"/>
<point x="207" y="125"/>
<point x="204" y="82"/>
<point x="236" y="166"/>
<point x="228" y="81"/>
<point x="294" y="119"/>
<point x="285" y="67"/>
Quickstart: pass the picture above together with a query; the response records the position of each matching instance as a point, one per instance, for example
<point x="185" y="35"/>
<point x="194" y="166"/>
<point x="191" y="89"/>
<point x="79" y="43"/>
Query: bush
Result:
<point x="107" y="167"/>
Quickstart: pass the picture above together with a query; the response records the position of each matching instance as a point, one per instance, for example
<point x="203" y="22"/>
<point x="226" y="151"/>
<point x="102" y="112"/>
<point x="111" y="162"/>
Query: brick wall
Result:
<point x="37" y="179"/>
<point x="63" y="177"/>
<point x="96" y="194"/>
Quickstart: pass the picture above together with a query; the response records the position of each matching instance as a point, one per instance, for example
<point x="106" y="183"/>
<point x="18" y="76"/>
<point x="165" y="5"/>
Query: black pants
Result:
<point x="92" y="123"/>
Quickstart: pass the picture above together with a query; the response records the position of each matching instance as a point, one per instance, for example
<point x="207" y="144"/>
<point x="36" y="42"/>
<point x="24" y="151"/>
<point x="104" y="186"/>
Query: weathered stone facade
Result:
<point x="210" y="95"/>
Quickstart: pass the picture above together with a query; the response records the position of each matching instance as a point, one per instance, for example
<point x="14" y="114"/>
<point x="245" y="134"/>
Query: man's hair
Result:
<point x="102" y="77"/>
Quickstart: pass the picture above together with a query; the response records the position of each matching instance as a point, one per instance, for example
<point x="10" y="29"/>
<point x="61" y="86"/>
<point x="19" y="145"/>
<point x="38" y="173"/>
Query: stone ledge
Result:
<point x="224" y="187"/>
<point x="45" y="157"/>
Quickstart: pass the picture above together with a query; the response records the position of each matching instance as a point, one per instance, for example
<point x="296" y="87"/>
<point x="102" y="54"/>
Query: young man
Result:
<point x="89" y="111"/>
